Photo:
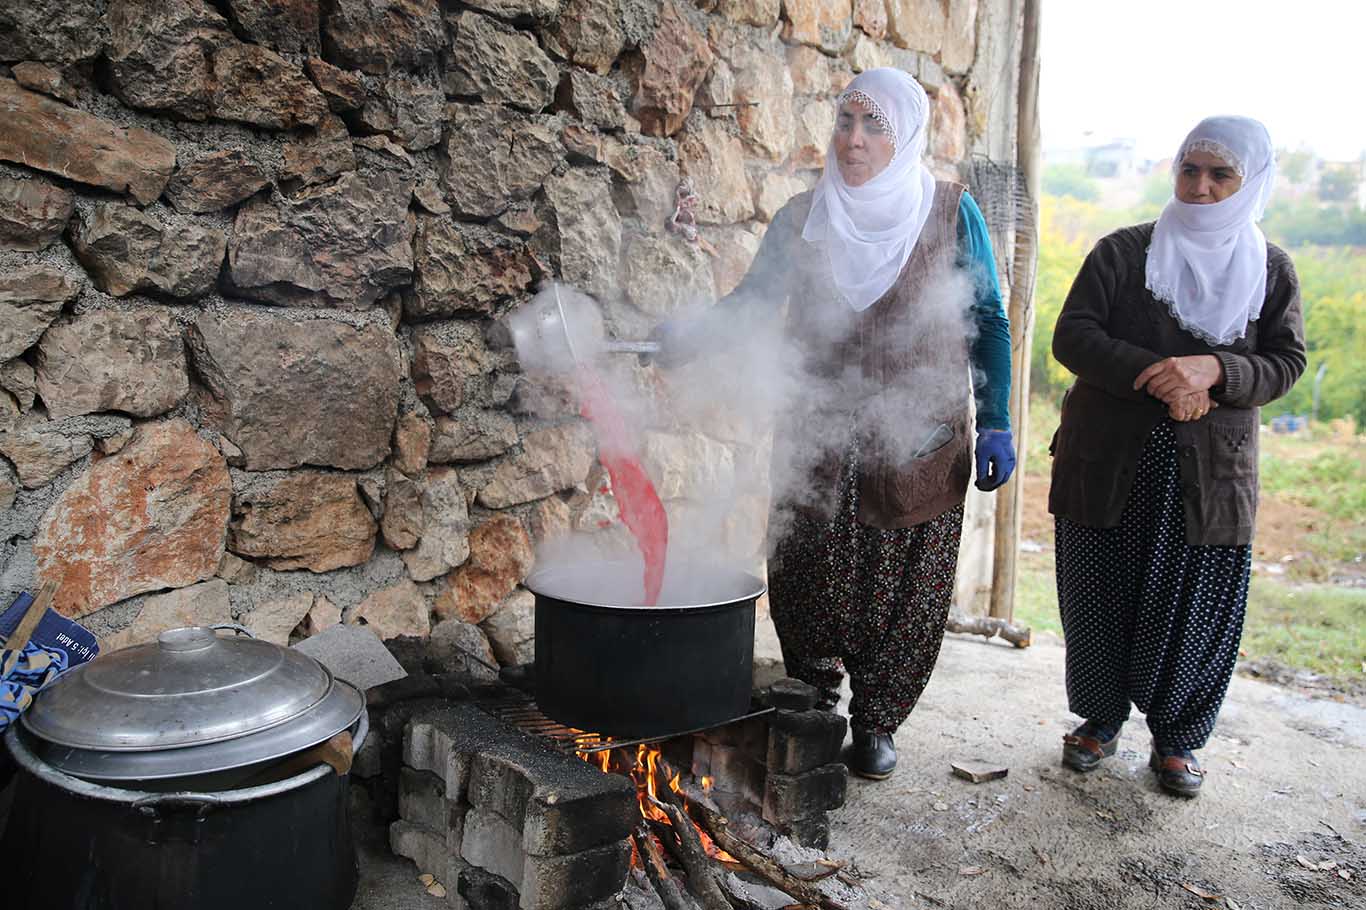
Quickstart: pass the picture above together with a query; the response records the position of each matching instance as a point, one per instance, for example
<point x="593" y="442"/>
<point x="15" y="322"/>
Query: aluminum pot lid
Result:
<point x="189" y="687"/>
<point x="341" y="709"/>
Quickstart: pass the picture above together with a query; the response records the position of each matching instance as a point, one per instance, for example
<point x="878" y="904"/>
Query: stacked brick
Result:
<point x="784" y="765"/>
<point x="505" y="820"/>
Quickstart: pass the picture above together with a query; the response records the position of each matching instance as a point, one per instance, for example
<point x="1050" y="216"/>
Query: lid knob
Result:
<point x="194" y="638"/>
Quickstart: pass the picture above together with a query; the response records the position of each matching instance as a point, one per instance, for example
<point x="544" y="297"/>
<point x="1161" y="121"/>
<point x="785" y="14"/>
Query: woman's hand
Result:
<point x="1191" y="407"/>
<point x="1174" y="378"/>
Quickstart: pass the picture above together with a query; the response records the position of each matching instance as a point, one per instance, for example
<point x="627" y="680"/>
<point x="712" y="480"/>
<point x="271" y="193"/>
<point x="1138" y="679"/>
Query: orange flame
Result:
<point x="642" y="766"/>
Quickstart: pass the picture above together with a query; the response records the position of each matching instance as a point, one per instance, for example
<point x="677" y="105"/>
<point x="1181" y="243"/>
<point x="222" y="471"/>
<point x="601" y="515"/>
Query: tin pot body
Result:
<point x="631" y="671"/>
<point x="76" y="845"/>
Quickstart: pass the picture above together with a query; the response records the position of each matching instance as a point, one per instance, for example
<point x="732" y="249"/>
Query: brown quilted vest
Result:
<point x="907" y="358"/>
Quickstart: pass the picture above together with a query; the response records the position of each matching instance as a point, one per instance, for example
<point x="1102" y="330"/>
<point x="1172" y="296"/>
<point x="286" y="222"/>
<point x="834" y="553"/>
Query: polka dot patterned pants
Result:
<point x="868" y="600"/>
<point x="1148" y="618"/>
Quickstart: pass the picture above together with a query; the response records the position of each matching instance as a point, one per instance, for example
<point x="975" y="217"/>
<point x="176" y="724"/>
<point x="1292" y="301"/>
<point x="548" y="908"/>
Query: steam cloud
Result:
<point x="749" y="380"/>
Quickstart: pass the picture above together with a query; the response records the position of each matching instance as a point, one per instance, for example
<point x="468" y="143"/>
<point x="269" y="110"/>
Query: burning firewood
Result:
<point x="702" y="875"/>
<point x="666" y="886"/>
<point x="767" y="868"/>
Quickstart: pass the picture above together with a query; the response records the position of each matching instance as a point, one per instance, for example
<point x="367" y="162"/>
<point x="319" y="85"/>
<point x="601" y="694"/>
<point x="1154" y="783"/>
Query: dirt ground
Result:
<point x="1286" y="787"/>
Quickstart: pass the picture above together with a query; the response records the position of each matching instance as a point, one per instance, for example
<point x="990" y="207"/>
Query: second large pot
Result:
<point x="630" y="671"/>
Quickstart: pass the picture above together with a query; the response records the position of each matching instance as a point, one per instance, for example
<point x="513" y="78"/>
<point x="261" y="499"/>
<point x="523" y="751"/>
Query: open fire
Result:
<point x="645" y="765"/>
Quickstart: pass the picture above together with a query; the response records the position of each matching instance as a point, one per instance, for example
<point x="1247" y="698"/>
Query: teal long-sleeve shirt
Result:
<point x="990" y="353"/>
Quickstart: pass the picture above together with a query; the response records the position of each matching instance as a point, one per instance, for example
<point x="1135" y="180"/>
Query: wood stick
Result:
<point x="666" y="886"/>
<point x="32" y="616"/>
<point x="1019" y="636"/>
<point x="702" y="881"/>
<point x="767" y="868"/>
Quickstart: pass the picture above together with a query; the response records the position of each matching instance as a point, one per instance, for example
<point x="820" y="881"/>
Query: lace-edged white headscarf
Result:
<point x="1207" y="263"/>
<point x="869" y="231"/>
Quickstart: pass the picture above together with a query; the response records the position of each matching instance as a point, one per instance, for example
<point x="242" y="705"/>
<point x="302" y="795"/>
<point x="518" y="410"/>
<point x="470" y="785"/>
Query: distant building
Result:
<point x="1113" y="160"/>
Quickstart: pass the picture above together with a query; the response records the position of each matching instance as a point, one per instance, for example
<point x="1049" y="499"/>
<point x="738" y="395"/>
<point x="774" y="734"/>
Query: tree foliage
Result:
<point x="1332" y="289"/>
<point x="1069" y="180"/>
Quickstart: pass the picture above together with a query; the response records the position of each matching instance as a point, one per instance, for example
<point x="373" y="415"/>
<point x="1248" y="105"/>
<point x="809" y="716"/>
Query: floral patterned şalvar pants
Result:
<point x="870" y="601"/>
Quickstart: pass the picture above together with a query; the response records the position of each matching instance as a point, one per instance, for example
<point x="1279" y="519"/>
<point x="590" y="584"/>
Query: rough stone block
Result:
<point x="353" y="653"/>
<point x="793" y="796"/>
<point x="801" y="741"/>
<point x="555" y="882"/>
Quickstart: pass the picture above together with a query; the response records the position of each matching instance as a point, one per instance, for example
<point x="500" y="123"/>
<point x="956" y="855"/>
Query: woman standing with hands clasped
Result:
<point x="1177" y="332"/>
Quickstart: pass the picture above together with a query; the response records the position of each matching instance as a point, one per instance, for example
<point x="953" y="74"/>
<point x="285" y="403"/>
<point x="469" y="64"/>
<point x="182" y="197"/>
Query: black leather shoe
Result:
<point x="1177" y="771"/>
<point x="872" y="755"/>
<point x="1087" y="746"/>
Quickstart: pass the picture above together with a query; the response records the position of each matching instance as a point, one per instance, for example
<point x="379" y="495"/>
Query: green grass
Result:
<point x="1304" y="626"/>
<point x="1320" y="628"/>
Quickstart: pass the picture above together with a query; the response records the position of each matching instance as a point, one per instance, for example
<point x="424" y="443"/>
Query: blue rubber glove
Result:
<point x="995" y="458"/>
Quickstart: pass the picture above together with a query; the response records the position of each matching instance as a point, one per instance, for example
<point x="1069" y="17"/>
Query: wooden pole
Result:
<point x="1010" y="499"/>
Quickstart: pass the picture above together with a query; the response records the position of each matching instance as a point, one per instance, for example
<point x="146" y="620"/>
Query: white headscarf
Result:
<point x="869" y="231"/>
<point x="1208" y="262"/>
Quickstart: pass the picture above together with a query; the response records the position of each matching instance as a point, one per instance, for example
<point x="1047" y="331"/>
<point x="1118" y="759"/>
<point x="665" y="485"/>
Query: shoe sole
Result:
<point x="871" y="775"/>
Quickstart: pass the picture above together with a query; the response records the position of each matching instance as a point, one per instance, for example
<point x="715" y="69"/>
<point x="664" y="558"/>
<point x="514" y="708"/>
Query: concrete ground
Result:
<point x="1286" y="788"/>
<point x="1286" y="791"/>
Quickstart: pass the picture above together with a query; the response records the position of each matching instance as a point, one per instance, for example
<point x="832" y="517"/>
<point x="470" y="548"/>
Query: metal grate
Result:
<point x="526" y="715"/>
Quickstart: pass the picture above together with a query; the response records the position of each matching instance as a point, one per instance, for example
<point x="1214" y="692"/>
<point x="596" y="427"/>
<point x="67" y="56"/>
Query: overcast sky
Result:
<point x="1150" y="69"/>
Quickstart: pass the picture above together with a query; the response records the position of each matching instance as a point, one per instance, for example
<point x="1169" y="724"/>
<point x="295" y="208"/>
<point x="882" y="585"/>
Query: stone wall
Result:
<point x="254" y="254"/>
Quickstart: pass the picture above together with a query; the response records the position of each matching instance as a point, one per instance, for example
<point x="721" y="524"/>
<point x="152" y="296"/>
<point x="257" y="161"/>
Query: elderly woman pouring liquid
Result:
<point x="1177" y="332"/>
<point x="893" y="304"/>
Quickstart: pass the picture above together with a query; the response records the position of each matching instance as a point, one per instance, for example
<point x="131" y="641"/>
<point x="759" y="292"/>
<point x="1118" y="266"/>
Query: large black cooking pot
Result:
<point x="76" y="845"/>
<point x="138" y="782"/>
<point x="606" y="665"/>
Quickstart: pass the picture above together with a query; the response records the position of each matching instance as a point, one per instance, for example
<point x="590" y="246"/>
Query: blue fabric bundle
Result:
<point x="22" y="674"/>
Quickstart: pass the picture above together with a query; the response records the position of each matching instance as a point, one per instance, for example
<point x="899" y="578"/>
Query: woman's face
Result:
<point x="1204" y="178"/>
<point x="862" y="147"/>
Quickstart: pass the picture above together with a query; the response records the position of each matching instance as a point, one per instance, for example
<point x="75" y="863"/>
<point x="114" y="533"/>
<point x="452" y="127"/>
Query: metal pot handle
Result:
<point x="200" y="803"/>
<point x="232" y="626"/>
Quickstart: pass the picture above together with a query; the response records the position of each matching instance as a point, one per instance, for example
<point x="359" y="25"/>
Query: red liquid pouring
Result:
<point x="640" y="507"/>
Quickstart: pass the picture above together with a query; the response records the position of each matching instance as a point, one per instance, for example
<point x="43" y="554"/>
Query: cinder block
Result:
<point x="559" y="823"/>
<point x="443" y="738"/>
<point x="429" y="853"/>
<point x="558" y="882"/>
<point x="792" y="796"/>
<point x="748" y="735"/>
<point x="788" y="694"/>
<point x="503" y="783"/>
<point x="493" y="844"/>
<point x="561" y="804"/>
<point x="801" y="741"/>
<point x="422" y="799"/>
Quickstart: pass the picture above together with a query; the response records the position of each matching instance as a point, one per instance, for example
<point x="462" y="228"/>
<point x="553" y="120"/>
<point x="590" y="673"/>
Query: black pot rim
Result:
<point x="536" y="583"/>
